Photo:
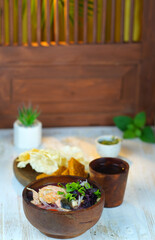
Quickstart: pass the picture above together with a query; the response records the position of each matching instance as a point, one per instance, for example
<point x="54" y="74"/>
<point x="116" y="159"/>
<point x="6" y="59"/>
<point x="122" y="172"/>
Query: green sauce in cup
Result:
<point x="110" y="142"/>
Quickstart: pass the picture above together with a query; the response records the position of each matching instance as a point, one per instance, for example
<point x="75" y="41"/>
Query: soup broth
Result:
<point x="65" y="196"/>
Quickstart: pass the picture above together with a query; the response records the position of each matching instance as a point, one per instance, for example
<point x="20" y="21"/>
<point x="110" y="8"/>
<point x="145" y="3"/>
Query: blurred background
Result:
<point x="82" y="62"/>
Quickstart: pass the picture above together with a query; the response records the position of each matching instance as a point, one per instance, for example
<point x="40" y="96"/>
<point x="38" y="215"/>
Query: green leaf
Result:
<point x="140" y="119"/>
<point x="131" y="126"/>
<point x="138" y="132"/>
<point x="129" y="134"/>
<point x="122" y="122"/>
<point x="148" y="135"/>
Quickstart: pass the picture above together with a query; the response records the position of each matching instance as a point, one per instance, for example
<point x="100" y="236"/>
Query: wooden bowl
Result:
<point x="59" y="224"/>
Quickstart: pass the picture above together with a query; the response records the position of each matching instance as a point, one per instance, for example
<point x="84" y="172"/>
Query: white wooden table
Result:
<point x="133" y="220"/>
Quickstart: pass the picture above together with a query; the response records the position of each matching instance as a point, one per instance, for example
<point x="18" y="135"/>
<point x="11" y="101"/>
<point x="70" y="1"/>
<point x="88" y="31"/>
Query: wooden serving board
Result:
<point x="24" y="175"/>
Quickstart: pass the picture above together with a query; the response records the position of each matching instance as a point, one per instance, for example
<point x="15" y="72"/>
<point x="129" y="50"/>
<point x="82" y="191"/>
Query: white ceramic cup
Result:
<point x="105" y="150"/>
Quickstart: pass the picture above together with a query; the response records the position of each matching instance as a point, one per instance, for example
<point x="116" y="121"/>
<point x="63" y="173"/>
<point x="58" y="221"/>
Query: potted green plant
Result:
<point x="27" y="128"/>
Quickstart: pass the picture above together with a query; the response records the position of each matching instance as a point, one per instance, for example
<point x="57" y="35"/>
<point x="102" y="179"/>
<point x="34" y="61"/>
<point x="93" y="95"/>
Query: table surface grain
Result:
<point x="133" y="220"/>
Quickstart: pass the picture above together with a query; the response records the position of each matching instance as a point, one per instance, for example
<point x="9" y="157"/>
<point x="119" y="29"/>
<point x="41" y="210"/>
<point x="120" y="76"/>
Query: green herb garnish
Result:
<point x="60" y="185"/>
<point x="82" y="191"/>
<point x="75" y="188"/>
<point x="70" y="196"/>
<point x="87" y="185"/>
<point x="110" y="142"/>
<point x="98" y="193"/>
<point x="71" y="187"/>
<point x="60" y="193"/>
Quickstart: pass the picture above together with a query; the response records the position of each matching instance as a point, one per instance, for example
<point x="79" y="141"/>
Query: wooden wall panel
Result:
<point x="5" y="88"/>
<point x="71" y="95"/>
<point x="59" y="90"/>
<point x="72" y="85"/>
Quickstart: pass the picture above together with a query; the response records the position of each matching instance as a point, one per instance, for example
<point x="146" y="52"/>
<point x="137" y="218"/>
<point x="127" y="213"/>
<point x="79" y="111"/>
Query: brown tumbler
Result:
<point x="111" y="174"/>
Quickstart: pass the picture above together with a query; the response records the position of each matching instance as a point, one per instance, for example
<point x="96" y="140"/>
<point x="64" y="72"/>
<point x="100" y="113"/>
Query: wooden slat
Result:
<point x="11" y="22"/>
<point x="122" y="20"/>
<point x="85" y="119"/>
<point x="85" y="21"/>
<point x="147" y="74"/>
<point x="76" y="21"/>
<point x="19" y="22"/>
<point x="67" y="20"/>
<point x="29" y="22"/>
<point x="2" y="21"/>
<point x="52" y="90"/>
<point x="108" y="54"/>
<point x="38" y="22"/>
<point x="131" y="20"/>
<point x="56" y="20"/>
<point x="41" y="72"/>
<point x="113" y="10"/>
<point x="104" y="7"/>
<point x="61" y="120"/>
<point x="67" y="107"/>
<point x="48" y="30"/>
<point x="95" y="21"/>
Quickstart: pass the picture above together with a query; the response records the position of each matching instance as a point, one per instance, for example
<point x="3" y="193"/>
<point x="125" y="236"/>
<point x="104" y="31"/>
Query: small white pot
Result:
<point x="108" y="150"/>
<point x="27" y="137"/>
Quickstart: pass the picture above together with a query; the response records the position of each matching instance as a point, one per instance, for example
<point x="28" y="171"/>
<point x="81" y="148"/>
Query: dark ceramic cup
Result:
<point x="111" y="174"/>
